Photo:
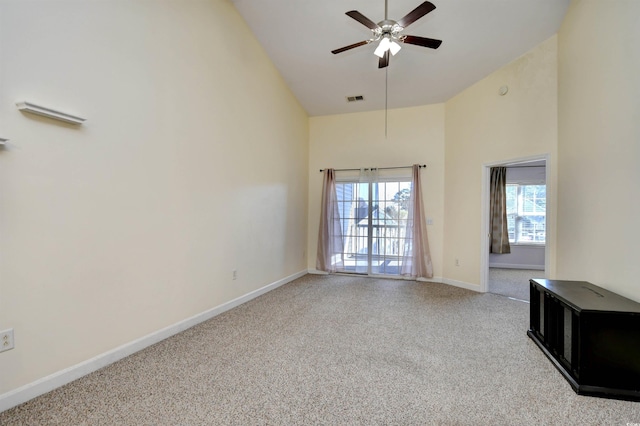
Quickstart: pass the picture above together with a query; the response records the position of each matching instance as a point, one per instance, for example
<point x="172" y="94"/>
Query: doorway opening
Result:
<point x="373" y="217"/>
<point x="526" y="195"/>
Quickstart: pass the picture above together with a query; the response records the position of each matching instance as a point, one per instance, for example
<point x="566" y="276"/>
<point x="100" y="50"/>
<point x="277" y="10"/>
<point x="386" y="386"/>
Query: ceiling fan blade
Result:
<point x="362" y="19"/>
<point x="351" y="46"/>
<point x="384" y="61"/>
<point x="422" y="41"/>
<point x="416" y="14"/>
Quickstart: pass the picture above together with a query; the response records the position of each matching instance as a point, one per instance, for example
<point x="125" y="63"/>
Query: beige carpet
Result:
<point x="337" y="350"/>
<point x="512" y="282"/>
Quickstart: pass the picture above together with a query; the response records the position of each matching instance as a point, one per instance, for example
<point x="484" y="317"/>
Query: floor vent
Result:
<point x="355" y="98"/>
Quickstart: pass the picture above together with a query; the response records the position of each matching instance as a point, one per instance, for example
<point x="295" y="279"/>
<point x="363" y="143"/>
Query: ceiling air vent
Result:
<point x="355" y="98"/>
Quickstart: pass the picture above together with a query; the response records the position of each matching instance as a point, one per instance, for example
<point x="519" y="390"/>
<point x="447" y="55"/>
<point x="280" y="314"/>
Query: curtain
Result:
<point x="416" y="259"/>
<point x="330" y="243"/>
<point x="498" y="213"/>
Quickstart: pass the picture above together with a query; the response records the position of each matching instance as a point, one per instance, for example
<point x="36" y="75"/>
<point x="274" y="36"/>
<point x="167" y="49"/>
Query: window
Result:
<point x="374" y="222"/>
<point x="526" y="213"/>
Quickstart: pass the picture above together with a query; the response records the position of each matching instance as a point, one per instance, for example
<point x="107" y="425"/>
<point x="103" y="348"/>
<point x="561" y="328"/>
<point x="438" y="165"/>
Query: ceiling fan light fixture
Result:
<point x="384" y="45"/>
<point x="394" y="47"/>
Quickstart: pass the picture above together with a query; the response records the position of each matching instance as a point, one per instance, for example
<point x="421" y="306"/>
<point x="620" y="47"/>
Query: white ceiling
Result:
<point x="479" y="37"/>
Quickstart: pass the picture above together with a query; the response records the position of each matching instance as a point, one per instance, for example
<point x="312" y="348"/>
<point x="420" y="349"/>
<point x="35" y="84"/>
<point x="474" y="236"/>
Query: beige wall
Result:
<point x="483" y="127"/>
<point x="415" y="135"/>
<point x="193" y="162"/>
<point x="599" y="145"/>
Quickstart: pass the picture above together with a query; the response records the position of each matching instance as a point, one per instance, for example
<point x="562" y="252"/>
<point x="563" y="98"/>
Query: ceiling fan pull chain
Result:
<point x="386" y="99"/>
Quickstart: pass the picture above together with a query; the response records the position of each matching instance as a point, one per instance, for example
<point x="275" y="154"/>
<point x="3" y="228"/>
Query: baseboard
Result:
<point x="442" y="280"/>
<point x="426" y="280"/>
<point x="60" y="378"/>
<point x="462" y="284"/>
<point x="430" y="280"/>
<point x="516" y="266"/>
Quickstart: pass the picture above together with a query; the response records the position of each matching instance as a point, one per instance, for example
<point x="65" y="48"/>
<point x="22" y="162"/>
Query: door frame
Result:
<point x="485" y="214"/>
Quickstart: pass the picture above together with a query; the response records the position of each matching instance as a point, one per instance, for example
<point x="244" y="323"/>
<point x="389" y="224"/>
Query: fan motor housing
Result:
<point x="387" y="27"/>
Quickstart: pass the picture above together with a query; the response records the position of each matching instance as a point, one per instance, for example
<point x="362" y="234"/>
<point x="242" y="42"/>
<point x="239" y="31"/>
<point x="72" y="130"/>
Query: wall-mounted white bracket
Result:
<point x="3" y="141"/>
<point x="48" y="112"/>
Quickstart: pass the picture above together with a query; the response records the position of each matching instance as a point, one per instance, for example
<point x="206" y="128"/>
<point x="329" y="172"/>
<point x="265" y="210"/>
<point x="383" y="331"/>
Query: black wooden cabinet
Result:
<point x="590" y="334"/>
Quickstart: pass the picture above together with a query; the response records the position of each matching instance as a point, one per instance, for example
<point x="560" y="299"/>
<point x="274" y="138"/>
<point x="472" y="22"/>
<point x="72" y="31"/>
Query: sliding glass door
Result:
<point x="373" y="217"/>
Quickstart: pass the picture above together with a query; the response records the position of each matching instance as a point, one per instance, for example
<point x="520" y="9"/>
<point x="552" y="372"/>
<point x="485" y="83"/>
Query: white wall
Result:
<point x="193" y="162"/>
<point x="415" y="135"/>
<point x="482" y="128"/>
<point x="599" y="148"/>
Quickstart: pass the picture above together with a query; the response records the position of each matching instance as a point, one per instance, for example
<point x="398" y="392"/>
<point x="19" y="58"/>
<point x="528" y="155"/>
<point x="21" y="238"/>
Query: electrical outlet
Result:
<point x="6" y="340"/>
<point x="457" y="262"/>
<point x="234" y="274"/>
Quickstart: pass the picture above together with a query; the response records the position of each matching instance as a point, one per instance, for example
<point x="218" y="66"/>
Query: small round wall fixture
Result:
<point x="503" y="90"/>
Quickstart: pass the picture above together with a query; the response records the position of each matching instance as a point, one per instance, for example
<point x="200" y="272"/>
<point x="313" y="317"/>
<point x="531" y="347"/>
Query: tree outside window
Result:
<point x="526" y="213"/>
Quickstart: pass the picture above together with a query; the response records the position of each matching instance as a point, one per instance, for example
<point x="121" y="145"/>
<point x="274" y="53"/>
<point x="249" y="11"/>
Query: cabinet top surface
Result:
<point x="584" y="296"/>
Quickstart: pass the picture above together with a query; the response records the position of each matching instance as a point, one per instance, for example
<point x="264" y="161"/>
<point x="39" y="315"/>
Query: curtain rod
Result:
<point x="377" y="168"/>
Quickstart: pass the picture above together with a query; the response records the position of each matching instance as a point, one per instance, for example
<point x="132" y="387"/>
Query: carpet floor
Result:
<point x="512" y="282"/>
<point x="337" y="350"/>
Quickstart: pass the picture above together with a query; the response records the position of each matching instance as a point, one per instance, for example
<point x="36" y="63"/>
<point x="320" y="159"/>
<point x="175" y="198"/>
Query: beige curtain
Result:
<point x="498" y="213"/>
<point x="416" y="259"/>
<point x="330" y="243"/>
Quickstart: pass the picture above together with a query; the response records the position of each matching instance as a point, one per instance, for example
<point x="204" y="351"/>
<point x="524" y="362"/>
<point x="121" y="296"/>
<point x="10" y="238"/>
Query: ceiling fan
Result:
<point x="389" y="33"/>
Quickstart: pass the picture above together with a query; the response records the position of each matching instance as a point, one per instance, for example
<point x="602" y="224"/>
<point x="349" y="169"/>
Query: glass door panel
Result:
<point x="373" y="216"/>
<point x="353" y="205"/>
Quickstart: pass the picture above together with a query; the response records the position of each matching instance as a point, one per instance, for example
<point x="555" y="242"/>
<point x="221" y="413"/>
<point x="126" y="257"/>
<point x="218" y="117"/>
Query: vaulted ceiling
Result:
<point x="479" y="37"/>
